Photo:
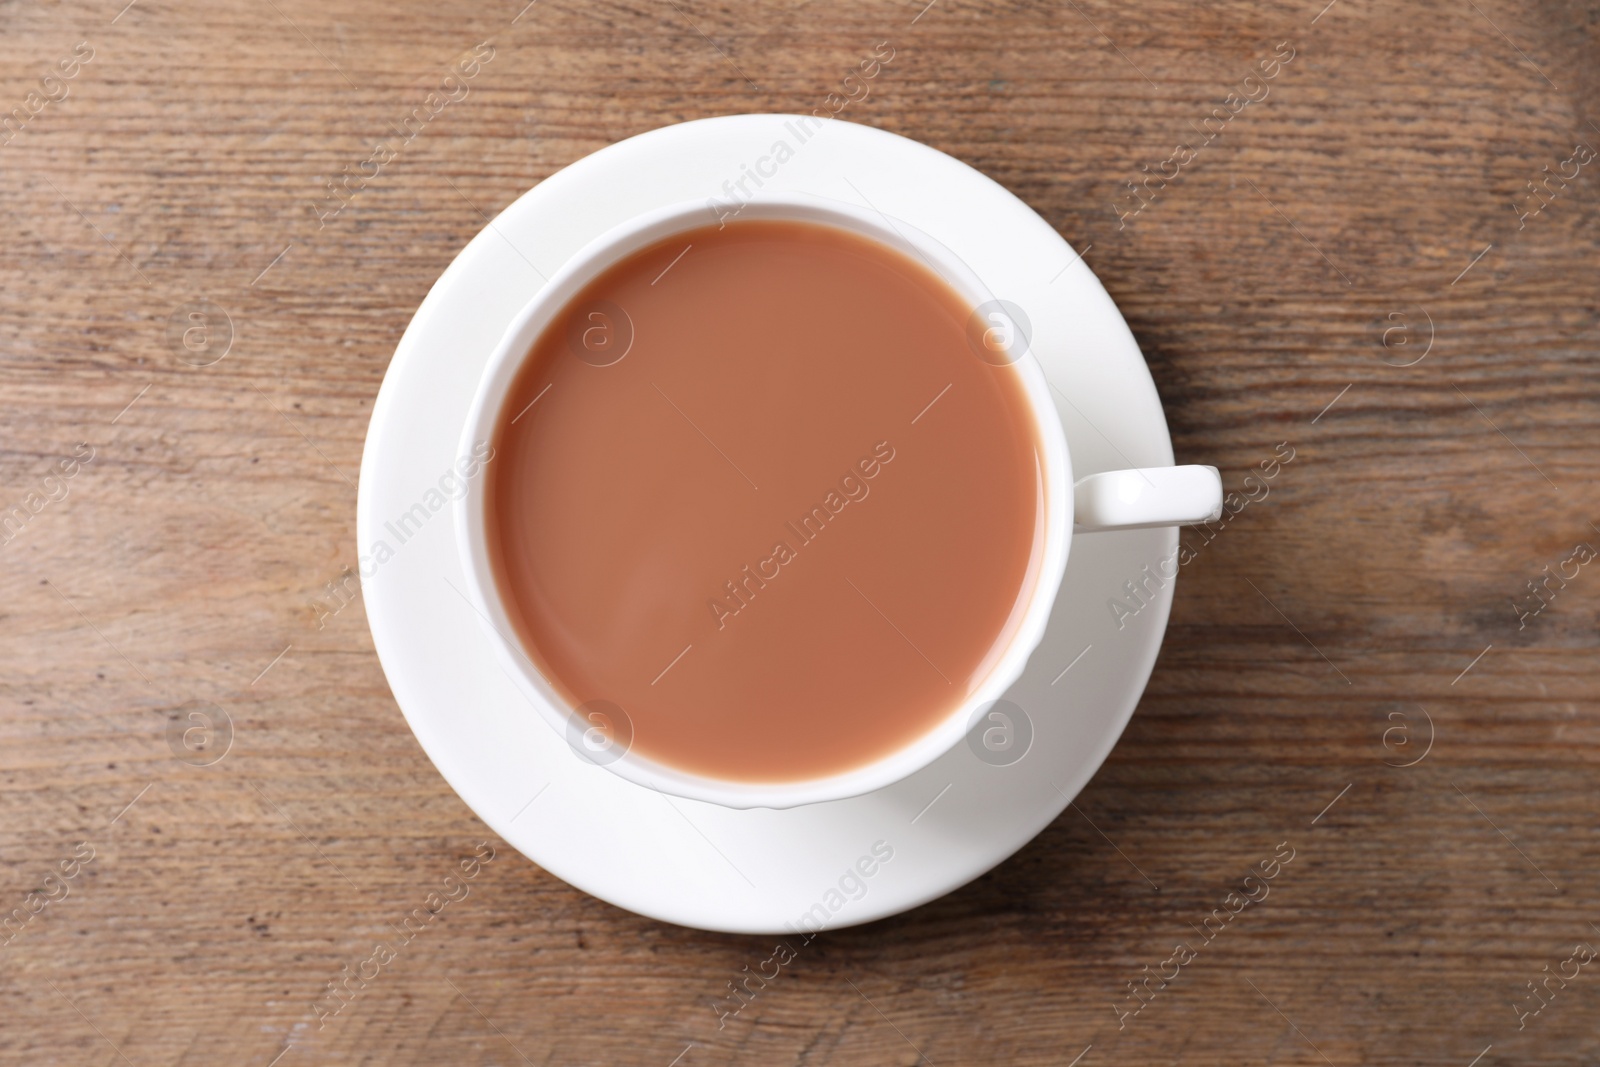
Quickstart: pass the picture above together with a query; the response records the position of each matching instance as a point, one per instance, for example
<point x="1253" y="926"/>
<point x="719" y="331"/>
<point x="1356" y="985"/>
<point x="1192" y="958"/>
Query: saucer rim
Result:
<point x="433" y="724"/>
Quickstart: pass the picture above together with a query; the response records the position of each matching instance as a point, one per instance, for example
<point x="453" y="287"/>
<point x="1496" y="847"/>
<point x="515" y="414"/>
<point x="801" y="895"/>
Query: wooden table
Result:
<point x="1344" y="267"/>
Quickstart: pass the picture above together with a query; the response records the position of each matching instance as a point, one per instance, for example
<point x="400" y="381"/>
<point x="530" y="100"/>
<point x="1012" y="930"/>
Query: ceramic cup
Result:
<point x="1162" y="496"/>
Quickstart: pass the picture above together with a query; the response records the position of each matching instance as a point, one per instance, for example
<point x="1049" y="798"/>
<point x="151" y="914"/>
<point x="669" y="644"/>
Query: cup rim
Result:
<point x="483" y="593"/>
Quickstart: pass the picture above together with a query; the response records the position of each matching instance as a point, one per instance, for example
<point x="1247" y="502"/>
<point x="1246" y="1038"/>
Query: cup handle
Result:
<point x="1146" y="497"/>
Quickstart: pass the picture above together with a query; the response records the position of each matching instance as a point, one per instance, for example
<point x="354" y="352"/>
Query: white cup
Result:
<point x="1159" y="496"/>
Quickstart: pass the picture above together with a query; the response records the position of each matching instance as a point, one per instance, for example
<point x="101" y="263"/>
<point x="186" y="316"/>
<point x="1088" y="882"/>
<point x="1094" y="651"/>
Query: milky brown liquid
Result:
<point x="752" y="532"/>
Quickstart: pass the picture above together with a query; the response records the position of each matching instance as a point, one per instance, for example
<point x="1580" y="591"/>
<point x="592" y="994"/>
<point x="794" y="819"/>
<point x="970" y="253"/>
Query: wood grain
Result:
<point x="184" y="161"/>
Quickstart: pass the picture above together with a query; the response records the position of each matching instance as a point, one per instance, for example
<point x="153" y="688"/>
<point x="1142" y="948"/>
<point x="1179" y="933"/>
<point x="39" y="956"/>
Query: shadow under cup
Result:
<point x="775" y="503"/>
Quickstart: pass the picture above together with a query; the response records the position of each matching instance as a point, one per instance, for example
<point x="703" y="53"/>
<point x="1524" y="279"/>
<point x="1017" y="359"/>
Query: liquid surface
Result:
<point x="755" y="488"/>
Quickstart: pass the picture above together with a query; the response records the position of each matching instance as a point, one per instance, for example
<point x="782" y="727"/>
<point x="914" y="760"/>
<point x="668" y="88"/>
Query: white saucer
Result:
<point x="697" y="864"/>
